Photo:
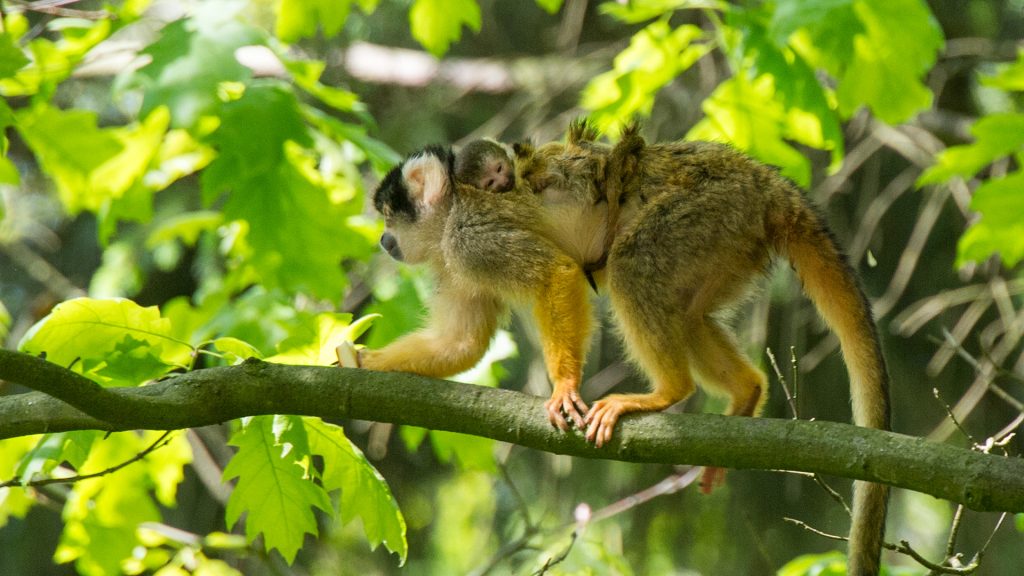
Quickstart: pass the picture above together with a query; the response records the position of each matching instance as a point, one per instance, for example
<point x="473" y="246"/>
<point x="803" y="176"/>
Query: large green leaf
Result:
<point x="273" y="489"/>
<point x="297" y="19"/>
<point x="93" y="167"/>
<point x="746" y="114"/>
<point x="296" y="230"/>
<point x="655" y="56"/>
<point x="315" y="344"/>
<point x="107" y="338"/>
<point x="102" y="514"/>
<point x="191" y="59"/>
<point x="1000" y="202"/>
<point x="437" y="23"/>
<point x="878" y="50"/>
<point x="364" y="493"/>
<point x="996" y="136"/>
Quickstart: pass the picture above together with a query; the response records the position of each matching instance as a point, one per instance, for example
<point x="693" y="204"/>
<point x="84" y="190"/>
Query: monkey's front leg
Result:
<point x="562" y="311"/>
<point x="457" y="335"/>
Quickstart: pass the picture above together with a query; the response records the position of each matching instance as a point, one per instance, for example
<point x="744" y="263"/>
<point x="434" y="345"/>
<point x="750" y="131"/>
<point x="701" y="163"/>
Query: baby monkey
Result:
<point x="486" y="164"/>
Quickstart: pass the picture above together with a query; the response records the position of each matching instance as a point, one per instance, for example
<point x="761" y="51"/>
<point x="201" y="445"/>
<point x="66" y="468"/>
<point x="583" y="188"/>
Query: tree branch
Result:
<point x="203" y="397"/>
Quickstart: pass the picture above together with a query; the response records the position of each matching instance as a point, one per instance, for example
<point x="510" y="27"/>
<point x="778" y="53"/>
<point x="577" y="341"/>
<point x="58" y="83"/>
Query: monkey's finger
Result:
<point x="569" y="408"/>
<point x="555" y="415"/>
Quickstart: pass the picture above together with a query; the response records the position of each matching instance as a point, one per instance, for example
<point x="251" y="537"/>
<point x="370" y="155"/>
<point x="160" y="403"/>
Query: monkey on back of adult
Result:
<point x="695" y="224"/>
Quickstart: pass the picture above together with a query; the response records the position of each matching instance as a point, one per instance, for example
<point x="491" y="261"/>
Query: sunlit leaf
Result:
<point x="101" y="514"/>
<point x="297" y="19"/>
<point x="996" y="136"/>
<point x="550" y="6"/>
<point x="90" y="329"/>
<point x="436" y="24"/>
<point x="878" y="50"/>
<point x="655" y="56"/>
<point x="166" y="467"/>
<point x="14" y="501"/>
<point x="273" y="490"/>
<point x="746" y="114"/>
<point x="364" y="493"/>
<point x="191" y="59"/>
<point x="1010" y="77"/>
<point x="637" y="11"/>
<point x="827" y="564"/>
<point x="235" y="350"/>
<point x="316" y="346"/>
<point x="11" y="56"/>
<point x="296" y="232"/>
<point x="1000" y="202"/>
<point x="184" y="228"/>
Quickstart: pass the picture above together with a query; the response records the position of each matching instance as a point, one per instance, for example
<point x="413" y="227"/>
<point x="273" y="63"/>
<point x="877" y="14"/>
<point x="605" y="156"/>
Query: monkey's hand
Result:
<point x="348" y="356"/>
<point x="565" y="401"/>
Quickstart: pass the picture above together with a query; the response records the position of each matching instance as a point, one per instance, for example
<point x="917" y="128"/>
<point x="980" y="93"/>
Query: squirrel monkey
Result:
<point x="683" y="229"/>
<point x="696" y="223"/>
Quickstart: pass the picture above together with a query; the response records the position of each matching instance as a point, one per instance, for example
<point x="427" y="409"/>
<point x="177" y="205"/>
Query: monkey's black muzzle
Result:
<point x="390" y="245"/>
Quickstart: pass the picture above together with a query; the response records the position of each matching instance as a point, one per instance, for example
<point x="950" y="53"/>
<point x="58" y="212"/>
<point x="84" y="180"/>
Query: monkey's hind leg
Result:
<point x="660" y="350"/>
<point x="723" y="368"/>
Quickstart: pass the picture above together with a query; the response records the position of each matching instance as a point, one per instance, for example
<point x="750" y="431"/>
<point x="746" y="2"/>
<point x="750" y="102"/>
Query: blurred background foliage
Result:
<point x="214" y="158"/>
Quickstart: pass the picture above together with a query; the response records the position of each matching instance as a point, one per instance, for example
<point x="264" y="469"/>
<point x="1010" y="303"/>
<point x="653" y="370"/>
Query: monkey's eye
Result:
<point x="489" y="183"/>
<point x="499" y="168"/>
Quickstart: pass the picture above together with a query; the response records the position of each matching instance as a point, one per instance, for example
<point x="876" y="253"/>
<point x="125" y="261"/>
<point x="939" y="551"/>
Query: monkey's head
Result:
<point x="414" y="198"/>
<point x="486" y="164"/>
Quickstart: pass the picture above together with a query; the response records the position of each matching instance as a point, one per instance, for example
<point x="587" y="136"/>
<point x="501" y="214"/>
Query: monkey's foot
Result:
<point x="601" y="419"/>
<point x="348" y="356"/>
<point x="711" y="478"/>
<point x="565" y="402"/>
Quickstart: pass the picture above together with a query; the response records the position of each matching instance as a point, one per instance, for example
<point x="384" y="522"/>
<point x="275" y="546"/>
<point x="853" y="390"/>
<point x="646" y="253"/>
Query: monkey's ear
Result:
<point x="522" y="149"/>
<point x="428" y="177"/>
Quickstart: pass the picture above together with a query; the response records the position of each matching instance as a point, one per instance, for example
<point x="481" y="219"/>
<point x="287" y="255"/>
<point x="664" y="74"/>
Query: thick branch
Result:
<point x="202" y="397"/>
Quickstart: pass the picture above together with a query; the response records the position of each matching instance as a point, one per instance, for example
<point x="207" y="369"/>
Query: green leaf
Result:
<point x="746" y="114"/>
<point x="469" y="452"/>
<point x="996" y="136"/>
<point x="92" y="167"/>
<point x="273" y="490"/>
<point x="12" y="58"/>
<point x="1010" y="77"/>
<point x="234" y="350"/>
<point x="827" y="564"/>
<point x="190" y="61"/>
<point x="811" y="118"/>
<point x="89" y="329"/>
<point x="655" y="56"/>
<point x="550" y="6"/>
<point x="1000" y="202"/>
<point x="102" y="514"/>
<point x="295" y="229"/>
<point x="14" y="501"/>
<point x="5" y="318"/>
<point x="635" y="12"/>
<point x="316" y="347"/>
<point x="364" y="492"/>
<point x="878" y="50"/>
<point x="437" y="23"/>
<point x="297" y="19"/>
<point x="184" y="228"/>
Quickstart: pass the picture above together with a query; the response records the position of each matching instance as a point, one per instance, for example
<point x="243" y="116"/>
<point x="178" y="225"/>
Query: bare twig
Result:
<point x="158" y="443"/>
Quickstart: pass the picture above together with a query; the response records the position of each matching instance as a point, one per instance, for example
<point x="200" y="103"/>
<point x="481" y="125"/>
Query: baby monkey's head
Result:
<point x="486" y="164"/>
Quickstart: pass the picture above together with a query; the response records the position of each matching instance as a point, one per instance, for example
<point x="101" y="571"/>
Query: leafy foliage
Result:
<point x="253" y="188"/>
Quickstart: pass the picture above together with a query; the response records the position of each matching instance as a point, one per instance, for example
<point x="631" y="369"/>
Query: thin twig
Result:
<point x="557" y="559"/>
<point x="158" y="443"/>
<point x="952" y="417"/>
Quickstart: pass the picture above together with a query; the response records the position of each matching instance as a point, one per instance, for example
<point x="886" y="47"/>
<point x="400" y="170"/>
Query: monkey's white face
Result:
<point x="412" y="199"/>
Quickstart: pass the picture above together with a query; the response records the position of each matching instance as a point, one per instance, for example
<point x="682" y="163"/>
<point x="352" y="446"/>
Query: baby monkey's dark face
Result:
<point x="486" y="164"/>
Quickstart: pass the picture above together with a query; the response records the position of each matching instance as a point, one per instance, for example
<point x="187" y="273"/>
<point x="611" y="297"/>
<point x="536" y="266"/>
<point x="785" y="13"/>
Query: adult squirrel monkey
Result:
<point x="688" y="228"/>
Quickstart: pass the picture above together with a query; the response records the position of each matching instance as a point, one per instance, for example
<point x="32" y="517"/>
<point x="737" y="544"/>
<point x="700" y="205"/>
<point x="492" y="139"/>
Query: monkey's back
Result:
<point x="706" y="210"/>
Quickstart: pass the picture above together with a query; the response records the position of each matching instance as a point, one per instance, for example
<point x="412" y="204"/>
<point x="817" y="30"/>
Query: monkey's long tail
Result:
<point x="831" y="284"/>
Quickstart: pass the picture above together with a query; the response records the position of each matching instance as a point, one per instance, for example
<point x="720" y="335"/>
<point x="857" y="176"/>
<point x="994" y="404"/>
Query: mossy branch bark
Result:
<point x="67" y="401"/>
